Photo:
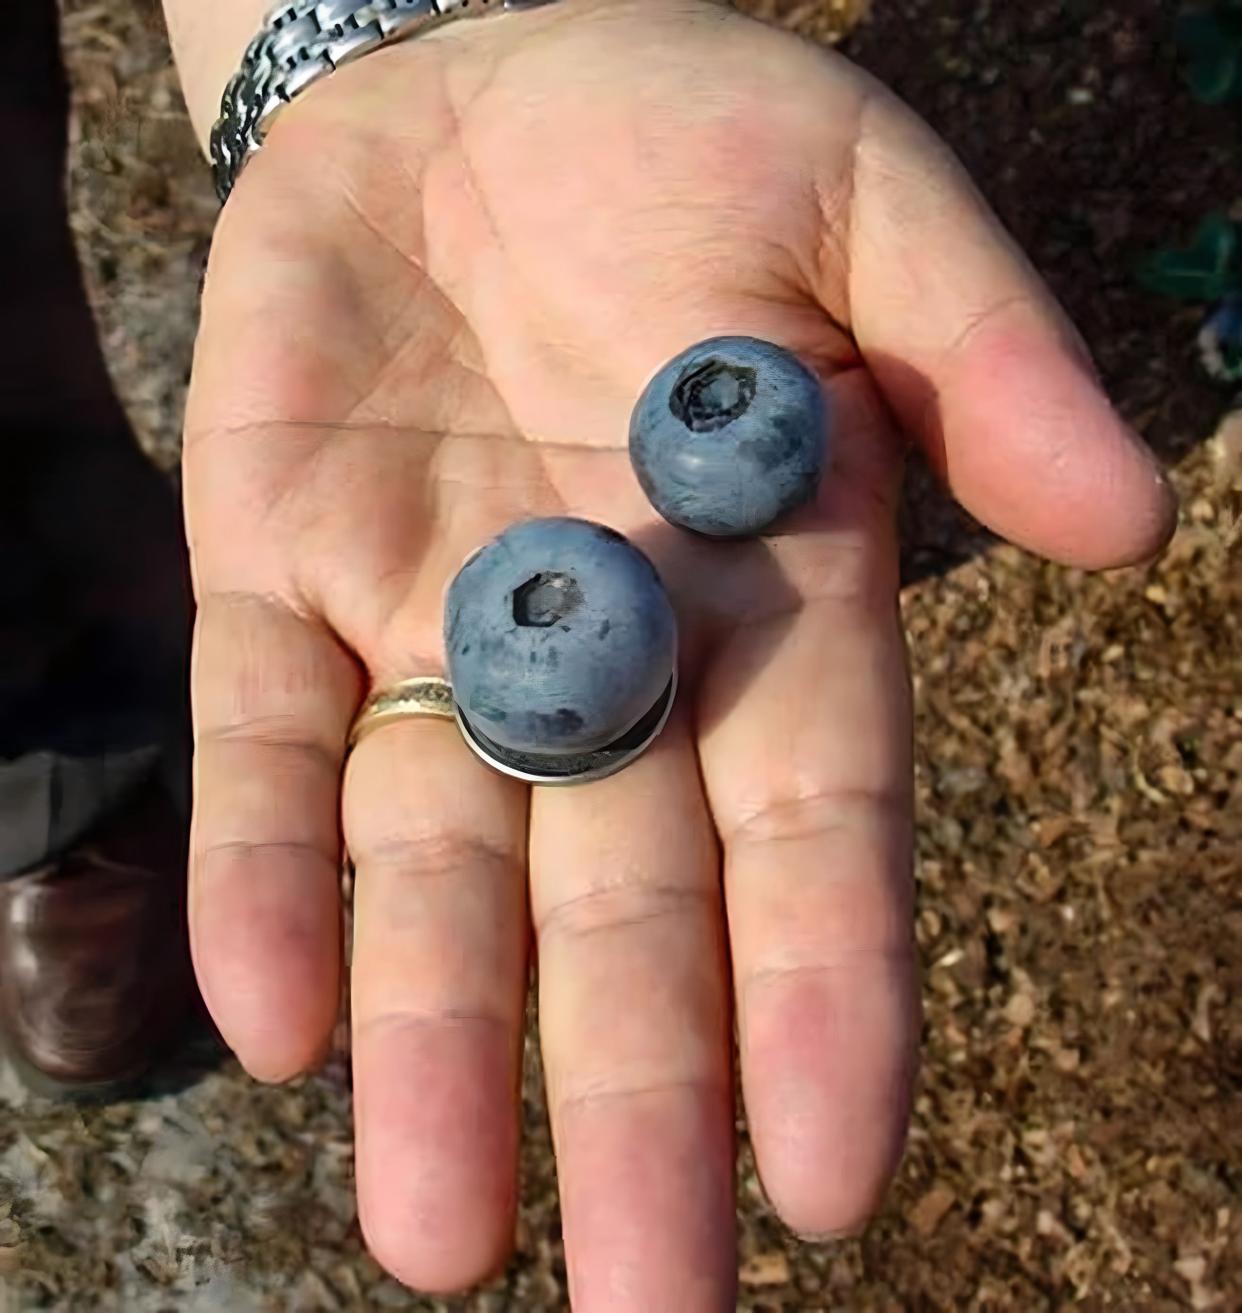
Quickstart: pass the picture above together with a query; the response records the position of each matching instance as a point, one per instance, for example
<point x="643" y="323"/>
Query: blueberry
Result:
<point x="560" y="638"/>
<point x="729" y="436"/>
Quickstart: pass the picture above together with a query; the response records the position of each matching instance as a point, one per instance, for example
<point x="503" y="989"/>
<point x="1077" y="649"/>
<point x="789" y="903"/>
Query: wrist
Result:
<point x="209" y="46"/>
<point x="208" y="41"/>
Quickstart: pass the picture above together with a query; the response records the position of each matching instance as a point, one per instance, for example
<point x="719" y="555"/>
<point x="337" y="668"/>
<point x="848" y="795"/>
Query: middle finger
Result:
<point x="634" y="1018"/>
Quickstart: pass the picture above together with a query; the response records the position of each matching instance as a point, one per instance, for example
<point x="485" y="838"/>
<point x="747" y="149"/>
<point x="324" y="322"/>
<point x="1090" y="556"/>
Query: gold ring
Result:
<point x="427" y="695"/>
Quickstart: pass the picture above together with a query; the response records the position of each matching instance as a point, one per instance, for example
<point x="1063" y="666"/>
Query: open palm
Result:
<point x="431" y="304"/>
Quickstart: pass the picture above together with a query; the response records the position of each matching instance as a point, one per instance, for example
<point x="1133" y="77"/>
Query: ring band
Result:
<point x="428" y="695"/>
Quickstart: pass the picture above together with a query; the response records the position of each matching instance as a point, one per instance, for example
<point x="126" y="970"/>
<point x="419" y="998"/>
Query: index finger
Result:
<point x="809" y="779"/>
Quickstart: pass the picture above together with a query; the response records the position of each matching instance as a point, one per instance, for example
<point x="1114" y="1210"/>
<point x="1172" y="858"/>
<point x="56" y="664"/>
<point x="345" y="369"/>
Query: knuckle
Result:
<point x="623" y="908"/>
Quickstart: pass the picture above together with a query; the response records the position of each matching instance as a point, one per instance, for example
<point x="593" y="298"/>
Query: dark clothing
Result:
<point x="94" y="596"/>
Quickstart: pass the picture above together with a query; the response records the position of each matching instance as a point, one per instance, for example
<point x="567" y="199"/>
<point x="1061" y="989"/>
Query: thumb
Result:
<point x="980" y="363"/>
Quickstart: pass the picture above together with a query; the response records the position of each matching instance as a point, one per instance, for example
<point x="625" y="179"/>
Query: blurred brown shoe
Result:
<point x="95" y="975"/>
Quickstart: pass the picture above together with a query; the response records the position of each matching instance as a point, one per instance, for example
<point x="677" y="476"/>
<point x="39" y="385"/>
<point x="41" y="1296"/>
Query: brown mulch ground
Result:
<point x="1079" y="1130"/>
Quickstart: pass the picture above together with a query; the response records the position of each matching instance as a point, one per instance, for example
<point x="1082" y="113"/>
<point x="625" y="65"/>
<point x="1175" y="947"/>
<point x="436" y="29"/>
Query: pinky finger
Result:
<point x="273" y="697"/>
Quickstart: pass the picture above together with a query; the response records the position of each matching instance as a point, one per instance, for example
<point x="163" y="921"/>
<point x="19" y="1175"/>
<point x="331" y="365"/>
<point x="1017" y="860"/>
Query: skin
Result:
<point x="430" y="306"/>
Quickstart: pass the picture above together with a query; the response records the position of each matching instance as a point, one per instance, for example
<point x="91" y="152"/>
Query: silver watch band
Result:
<point x="305" y="40"/>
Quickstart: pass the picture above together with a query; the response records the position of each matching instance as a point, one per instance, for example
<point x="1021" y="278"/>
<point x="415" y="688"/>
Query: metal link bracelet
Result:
<point x="305" y="40"/>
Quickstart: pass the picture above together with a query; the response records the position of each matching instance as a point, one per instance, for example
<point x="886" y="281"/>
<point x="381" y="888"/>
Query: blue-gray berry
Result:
<point x="729" y="436"/>
<point x="560" y="637"/>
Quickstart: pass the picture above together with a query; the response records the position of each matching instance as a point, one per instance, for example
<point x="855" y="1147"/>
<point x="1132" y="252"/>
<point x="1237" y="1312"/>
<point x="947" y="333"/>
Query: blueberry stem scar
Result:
<point x="713" y="394"/>
<point x="545" y="600"/>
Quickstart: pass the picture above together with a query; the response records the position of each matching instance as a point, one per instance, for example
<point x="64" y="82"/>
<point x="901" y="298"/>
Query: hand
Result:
<point x="431" y="303"/>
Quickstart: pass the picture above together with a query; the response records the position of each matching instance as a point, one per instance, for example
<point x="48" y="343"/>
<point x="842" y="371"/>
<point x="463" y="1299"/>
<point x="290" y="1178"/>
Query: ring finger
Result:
<point x="439" y="986"/>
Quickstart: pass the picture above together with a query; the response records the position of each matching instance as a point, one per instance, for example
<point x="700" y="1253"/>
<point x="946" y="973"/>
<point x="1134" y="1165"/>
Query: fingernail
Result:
<point x="1167" y="518"/>
<point x="1172" y="497"/>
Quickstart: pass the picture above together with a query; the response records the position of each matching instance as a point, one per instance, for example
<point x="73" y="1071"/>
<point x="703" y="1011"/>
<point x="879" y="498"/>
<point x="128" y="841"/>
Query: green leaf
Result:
<point x="1209" y="269"/>
<point x="1211" y="39"/>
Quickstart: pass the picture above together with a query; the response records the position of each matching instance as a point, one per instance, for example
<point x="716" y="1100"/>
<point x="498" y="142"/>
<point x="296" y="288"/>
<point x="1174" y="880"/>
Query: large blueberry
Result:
<point x="729" y="436"/>
<point x="560" y="637"/>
